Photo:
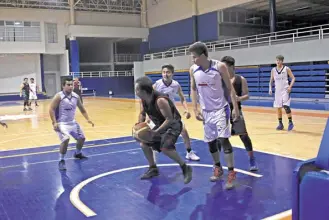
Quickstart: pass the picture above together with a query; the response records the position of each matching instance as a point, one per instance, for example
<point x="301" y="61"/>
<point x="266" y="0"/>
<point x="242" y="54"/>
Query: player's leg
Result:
<point x="35" y="98"/>
<point x="64" y="137"/>
<point x="286" y="106"/>
<point x="210" y="137"/>
<point x="168" y="148"/>
<point x="148" y="153"/>
<point x="77" y="133"/>
<point x="26" y="100"/>
<point x="224" y="133"/>
<point x="278" y="105"/>
<point x="190" y="154"/>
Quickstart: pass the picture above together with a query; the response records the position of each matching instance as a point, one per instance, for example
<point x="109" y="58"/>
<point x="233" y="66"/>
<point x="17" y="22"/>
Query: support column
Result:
<point x="144" y="46"/>
<point x="195" y="20"/>
<point x="112" y="50"/>
<point x="272" y="4"/>
<point x="74" y="46"/>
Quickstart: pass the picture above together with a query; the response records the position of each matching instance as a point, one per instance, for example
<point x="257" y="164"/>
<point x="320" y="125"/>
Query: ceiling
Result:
<point x="301" y="9"/>
<point x="114" y="6"/>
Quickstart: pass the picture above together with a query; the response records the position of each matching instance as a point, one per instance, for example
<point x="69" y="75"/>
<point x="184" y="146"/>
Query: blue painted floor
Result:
<point x="32" y="187"/>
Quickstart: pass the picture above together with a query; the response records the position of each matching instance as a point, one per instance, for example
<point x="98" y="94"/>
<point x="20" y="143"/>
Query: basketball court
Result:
<point x="107" y="184"/>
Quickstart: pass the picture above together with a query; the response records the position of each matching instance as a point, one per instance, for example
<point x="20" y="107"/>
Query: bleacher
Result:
<point x="310" y="80"/>
<point x="181" y="76"/>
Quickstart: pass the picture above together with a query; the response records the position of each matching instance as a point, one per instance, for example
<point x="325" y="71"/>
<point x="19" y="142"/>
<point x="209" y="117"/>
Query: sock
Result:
<point x="290" y="119"/>
<point x="188" y="150"/>
<point x="280" y="120"/>
<point x="230" y="161"/>
<point x="78" y="151"/>
<point x="62" y="156"/>
<point x="251" y="154"/>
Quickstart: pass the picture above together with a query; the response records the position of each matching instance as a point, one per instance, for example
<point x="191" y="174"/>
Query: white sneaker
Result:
<point x="192" y="156"/>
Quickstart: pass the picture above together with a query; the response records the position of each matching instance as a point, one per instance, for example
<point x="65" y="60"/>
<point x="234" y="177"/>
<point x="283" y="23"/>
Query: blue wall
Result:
<point x="180" y="33"/>
<point x="118" y="85"/>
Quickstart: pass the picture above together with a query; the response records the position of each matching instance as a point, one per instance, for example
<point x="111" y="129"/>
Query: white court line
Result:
<point x="74" y="195"/>
<point x="279" y="216"/>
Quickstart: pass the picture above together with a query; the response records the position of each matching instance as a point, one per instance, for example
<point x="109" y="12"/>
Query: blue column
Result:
<point x="74" y="57"/>
<point x="42" y="68"/>
<point x="144" y="48"/>
<point x="272" y="15"/>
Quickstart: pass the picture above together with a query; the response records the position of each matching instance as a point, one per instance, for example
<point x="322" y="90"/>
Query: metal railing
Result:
<point x="20" y="34"/>
<point x="127" y="58"/>
<point x="287" y="36"/>
<point x="101" y="74"/>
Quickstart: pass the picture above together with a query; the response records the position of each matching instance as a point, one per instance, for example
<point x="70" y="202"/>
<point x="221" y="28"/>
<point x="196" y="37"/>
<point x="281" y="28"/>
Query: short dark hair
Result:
<point x="145" y="83"/>
<point x="26" y="78"/>
<point x="199" y="48"/>
<point x="230" y="61"/>
<point x="280" y="57"/>
<point x="169" y="67"/>
<point x="66" y="79"/>
<point x="32" y="78"/>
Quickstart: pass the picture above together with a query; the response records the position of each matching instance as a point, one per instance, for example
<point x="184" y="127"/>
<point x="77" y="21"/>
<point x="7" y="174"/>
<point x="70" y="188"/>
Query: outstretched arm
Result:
<point x="183" y="101"/>
<point x="52" y="108"/>
<point x="84" y="112"/>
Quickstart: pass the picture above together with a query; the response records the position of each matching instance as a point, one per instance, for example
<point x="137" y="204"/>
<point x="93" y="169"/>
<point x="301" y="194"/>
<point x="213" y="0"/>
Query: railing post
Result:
<point x="293" y="37"/>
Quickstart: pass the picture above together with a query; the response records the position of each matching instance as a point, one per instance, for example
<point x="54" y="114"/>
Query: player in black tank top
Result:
<point x="239" y="127"/>
<point x="25" y="93"/>
<point x="168" y="126"/>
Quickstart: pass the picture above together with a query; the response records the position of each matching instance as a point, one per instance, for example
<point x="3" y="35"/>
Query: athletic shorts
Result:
<point x="238" y="127"/>
<point x="168" y="139"/>
<point x="33" y="96"/>
<point x="281" y="98"/>
<point x="26" y="96"/>
<point x="216" y="124"/>
<point x="70" y="129"/>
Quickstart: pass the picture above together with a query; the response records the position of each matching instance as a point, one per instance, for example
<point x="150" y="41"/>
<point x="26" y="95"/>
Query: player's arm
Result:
<point x="84" y="112"/>
<point x="21" y="89"/>
<point x="52" y="108"/>
<point x="194" y="96"/>
<point x="226" y="79"/>
<point x="165" y="110"/>
<point x="271" y="82"/>
<point x="245" y="90"/>
<point x="142" y="114"/>
<point x="293" y="79"/>
<point x="182" y="99"/>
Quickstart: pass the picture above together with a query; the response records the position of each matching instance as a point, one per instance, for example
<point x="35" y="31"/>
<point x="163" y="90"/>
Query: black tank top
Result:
<point x="154" y="112"/>
<point x="238" y="88"/>
<point x="26" y="87"/>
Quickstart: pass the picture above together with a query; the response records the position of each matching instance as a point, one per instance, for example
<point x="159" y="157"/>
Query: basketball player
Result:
<point x="168" y="126"/>
<point x="210" y="81"/>
<point x="25" y="92"/>
<point x="62" y="113"/>
<point x="77" y="87"/>
<point x="33" y="92"/>
<point x="171" y="87"/>
<point x="280" y="74"/>
<point x="240" y="86"/>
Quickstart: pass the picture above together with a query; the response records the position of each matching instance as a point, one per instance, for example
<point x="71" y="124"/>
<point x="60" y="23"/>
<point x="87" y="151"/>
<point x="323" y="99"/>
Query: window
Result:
<point x="20" y="31"/>
<point x="52" y="32"/>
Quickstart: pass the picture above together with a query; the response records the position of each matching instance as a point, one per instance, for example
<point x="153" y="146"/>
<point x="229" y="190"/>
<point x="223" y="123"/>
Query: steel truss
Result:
<point x="115" y="6"/>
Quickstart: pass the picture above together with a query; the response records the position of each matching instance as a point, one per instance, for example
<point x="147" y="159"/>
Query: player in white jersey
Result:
<point x="62" y="113"/>
<point x="280" y="75"/>
<point x="171" y="87"/>
<point x="33" y="92"/>
<point x="210" y="82"/>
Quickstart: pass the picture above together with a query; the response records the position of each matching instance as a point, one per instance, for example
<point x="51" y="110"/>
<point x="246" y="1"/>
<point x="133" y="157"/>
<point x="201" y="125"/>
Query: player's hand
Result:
<point x="55" y="125"/>
<point x="187" y="115"/>
<point x="289" y="90"/>
<point x="90" y="122"/>
<point x="198" y="116"/>
<point x="270" y="92"/>
<point x="4" y="124"/>
<point x="235" y="115"/>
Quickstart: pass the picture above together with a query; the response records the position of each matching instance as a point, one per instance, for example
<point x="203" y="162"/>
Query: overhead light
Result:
<point x="302" y="8"/>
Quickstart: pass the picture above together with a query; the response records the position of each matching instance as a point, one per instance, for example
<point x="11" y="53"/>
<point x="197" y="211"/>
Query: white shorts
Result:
<point x="281" y="98"/>
<point x="216" y="124"/>
<point x="33" y="96"/>
<point x="72" y="129"/>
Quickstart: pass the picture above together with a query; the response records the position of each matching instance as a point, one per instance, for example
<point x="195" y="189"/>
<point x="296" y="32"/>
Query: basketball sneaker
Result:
<point x="192" y="156"/>
<point x="61" y="165"/>
<point x="230" y="180"/>
<point x="218" y="173"/>
<point x="151" y="172"/>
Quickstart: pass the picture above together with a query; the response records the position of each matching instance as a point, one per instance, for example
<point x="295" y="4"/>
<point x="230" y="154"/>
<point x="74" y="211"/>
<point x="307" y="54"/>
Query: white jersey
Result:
<point x="33" y="87"/>
<point x="65" y="112"/>
<point x="281" y="79"/>
<point x="171" y="90"/>
<point x="210" y="87"/>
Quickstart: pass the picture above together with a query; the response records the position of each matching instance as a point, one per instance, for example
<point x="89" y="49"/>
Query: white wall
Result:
<point x="14" y="68"/>
<point x="138" y="70"/>
<point x="157" y="14"/>
<point x="52" y="64"/>
<point x="293" y="52"/>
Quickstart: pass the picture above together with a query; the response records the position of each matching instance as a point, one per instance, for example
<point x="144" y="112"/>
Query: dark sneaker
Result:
<point x="151" y="172"/>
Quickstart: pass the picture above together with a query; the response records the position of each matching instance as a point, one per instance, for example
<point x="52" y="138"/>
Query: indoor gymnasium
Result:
<point x="164" y="109"/>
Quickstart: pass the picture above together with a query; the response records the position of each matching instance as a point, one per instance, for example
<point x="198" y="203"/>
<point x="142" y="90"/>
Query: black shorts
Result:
<point x="168" y="139"/>
<point x="26" y="96"/>
<point x="238" y="127"/>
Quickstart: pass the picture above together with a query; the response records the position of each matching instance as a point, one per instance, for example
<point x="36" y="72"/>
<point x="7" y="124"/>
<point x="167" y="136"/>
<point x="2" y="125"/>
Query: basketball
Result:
<point x="142" y="133"/>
